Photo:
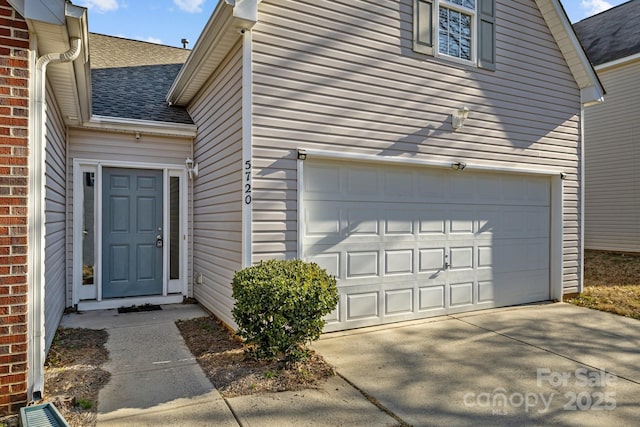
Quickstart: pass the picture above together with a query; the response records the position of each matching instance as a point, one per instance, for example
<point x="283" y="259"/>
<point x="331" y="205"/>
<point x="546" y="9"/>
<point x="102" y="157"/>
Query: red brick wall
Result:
<point x="14" y="103"/>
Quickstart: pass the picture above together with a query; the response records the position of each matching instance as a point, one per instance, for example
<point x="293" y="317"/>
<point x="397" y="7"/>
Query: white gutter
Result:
<point x="37" y="180"/>
<point x="149" y="127"/>
<point x="618" y="62"/>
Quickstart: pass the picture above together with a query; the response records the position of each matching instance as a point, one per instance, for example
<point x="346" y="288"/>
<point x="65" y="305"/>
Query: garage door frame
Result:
<point x="556" y="176"/>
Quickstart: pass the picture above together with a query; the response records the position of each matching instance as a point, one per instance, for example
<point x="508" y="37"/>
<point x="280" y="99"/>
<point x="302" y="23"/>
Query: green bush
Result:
<point x="280" y="307"/>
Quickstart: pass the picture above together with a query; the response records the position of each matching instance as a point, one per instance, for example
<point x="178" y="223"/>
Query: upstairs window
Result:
<point x="459" y="29"/>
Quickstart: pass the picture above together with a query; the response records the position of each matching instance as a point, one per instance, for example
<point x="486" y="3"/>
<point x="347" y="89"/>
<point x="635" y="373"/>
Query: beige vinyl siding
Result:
<point x="217" y="192"/>
<point x="106" y="146"/>
<point x="612" y="167"/>
<point x="342" y="76"/>
<point x="55" y="218"/>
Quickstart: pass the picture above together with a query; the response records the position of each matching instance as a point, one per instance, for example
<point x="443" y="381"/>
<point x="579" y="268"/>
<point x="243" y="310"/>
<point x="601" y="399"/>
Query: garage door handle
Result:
<point x="446" y="265"/>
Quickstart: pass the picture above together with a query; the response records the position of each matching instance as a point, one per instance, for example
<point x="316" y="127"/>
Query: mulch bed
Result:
<point x="221" y="356"/>
<point x="73" y="374"/>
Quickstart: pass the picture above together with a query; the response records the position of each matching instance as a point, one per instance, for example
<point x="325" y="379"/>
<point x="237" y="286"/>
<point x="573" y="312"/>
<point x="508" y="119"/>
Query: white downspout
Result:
<point x="36" y="278"/>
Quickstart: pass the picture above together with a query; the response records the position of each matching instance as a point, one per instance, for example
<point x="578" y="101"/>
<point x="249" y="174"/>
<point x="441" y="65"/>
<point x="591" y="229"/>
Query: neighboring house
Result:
<point x="333" y="131"/>
<point x="612" y="130"/>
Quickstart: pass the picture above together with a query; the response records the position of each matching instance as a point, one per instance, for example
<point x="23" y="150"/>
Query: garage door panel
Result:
<point x="399" y="221"/>
<point x="399" y="185"/>
<point x="362" y="306"/>
<point x="431" y="297"/>
<point x="398" y="301"/>
<point x="362" y="221"/>
<point x="460" y="294"/>
<point x="362" y="264"/>
<point x="431" y="259"/>
<point x="398" y="262"/>
<point x="362" y="181"/>
<point x="409" y="242"/>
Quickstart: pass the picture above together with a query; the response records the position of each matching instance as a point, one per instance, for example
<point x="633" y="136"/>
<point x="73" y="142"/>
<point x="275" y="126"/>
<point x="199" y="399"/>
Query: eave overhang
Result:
<point x="591" y="89"/>
<point x="53" y="24"/>
<point x="223" y="30"/>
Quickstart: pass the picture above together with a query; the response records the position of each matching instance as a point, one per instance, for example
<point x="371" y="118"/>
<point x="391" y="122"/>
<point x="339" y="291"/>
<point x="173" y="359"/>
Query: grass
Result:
<point x="612" y="283"/>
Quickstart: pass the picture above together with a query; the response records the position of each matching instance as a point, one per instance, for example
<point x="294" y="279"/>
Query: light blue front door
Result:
<point x="131" y="232"/>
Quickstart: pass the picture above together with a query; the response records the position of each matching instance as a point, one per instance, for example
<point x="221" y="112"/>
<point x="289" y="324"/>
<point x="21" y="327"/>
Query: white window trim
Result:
<point x="168" y="287"/>
<point x="434" y="50"/>
<point x="474" y="31"/>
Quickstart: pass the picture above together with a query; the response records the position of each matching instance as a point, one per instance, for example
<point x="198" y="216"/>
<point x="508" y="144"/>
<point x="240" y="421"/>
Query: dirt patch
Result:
<point x="222" y="358"/>
<point x="73" y="374"/>
<point x="611" y="269"/>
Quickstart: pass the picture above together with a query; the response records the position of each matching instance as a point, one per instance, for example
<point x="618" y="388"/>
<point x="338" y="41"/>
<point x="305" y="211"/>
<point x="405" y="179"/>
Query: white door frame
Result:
<point x="556" y="175"/>
<point x="173" y="291"/>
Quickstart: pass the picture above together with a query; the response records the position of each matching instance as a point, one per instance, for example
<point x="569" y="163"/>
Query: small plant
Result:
<point x="280" y="307"/>
<point x="85" y="404"/>
<point x="269" y="375"/>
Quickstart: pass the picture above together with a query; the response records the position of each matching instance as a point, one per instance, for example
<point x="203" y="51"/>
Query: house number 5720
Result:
<point x="247" y="182"/>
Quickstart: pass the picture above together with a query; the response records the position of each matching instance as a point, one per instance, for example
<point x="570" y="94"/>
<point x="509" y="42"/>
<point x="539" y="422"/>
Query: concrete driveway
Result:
<point x="551" y="364"/>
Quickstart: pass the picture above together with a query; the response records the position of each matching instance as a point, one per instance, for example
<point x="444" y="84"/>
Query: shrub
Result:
<point x="280" y="307"/>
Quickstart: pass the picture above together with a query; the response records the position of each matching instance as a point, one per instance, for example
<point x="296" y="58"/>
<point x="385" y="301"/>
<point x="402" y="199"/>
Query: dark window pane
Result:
<point x="174" y="228"/>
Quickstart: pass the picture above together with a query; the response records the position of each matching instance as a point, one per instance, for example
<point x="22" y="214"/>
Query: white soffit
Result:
<point x="582" y="70"/>
<point x="222" y="32"/>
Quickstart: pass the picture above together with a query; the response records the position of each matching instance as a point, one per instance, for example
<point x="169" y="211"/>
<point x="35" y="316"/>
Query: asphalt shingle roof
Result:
<point x="612" y="34"/>
<point x="130" y="79"/>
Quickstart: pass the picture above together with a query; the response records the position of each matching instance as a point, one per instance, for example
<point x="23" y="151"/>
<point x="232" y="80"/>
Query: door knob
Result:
<point x="159" y="241"/>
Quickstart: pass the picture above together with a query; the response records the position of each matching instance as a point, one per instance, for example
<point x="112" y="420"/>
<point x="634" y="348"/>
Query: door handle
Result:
<point x="446" y="262"/>
<point x="159" y="241"/>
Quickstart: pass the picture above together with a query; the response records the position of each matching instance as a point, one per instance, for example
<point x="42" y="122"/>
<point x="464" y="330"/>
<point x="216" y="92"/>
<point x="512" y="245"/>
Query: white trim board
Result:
<point x="169" y="286"/>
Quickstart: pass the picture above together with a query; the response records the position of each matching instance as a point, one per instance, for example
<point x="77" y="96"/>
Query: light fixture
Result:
<point x="458" y="117"/>
<point x="302" y="155"/>
<point x="192" y="168"/>
<point x="459" y="166"/>
<point x="138" y="136"/>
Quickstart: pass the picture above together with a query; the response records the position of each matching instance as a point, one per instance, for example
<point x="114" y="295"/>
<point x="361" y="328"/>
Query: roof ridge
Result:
<point x="139" y="41"/>
<point x="604" y="11"/>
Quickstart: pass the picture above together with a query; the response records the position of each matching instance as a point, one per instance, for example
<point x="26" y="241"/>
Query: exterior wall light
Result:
<point x="192" y="168"/>
<point x="459" y="166"/>
<point x="302" y="155"/>
<point x="458" y="117"/>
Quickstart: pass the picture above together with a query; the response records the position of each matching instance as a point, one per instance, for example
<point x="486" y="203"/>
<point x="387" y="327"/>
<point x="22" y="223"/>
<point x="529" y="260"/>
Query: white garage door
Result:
<point x="413" y="242"/>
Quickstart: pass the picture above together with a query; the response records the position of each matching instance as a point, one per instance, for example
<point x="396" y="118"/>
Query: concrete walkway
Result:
<point x="155" y="380"/>
<point x="553" y="364"/>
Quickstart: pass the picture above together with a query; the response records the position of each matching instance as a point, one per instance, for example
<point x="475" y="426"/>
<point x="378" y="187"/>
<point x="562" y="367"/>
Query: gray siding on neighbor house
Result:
<point x="342" y="76"/>
<point x="612" y="166"/>
<point x="55" y="218"/>
<point x="121" y="147"/>
<point x="217" y="206"/>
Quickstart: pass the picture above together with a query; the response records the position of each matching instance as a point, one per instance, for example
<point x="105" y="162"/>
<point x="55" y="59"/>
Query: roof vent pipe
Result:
<point x="185" y="43"/>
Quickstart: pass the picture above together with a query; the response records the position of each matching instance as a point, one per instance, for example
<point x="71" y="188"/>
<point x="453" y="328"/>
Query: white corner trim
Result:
<point x="247" y="161"/>
<point x="116" y="124"/>
<point x="301" y="212"/>
<point x="556" y="250"/>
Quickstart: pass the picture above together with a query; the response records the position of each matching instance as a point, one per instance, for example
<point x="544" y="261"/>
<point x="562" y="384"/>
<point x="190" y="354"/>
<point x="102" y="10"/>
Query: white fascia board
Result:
<point x="592" y="95"/>
<point x="224" y="28"/>
<point x="116" y="124"/>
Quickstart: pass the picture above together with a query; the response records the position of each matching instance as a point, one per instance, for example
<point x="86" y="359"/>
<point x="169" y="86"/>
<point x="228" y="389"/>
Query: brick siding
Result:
<point x="14" y="152"/>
